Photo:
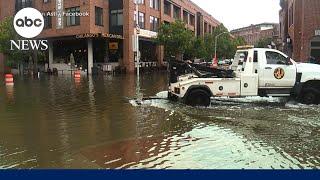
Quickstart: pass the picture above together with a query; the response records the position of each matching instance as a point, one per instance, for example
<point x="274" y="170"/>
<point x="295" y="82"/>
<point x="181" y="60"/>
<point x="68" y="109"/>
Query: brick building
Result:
<point x="252" y="34"/>
<point x="106" y="35"/>
<point x="300" y="28"/>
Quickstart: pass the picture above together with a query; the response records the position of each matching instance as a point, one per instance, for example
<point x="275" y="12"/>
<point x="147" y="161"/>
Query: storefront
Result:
<point x="150" y="51"/>
<point x="85" y="51"/>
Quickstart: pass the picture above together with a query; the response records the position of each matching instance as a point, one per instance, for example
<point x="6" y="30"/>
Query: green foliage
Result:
<point x="226" y="45"/>
<point x="178" y="40"/>
<point x="8" y="33"/>
<point x="175" y="38"/>
<point x="196" y="48"/>
<point x="263" y="43"/>
<point x="239" y="41"/>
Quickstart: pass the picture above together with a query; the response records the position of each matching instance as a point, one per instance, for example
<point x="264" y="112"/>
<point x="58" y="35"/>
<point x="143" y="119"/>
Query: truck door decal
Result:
<point x="279" y="73"/>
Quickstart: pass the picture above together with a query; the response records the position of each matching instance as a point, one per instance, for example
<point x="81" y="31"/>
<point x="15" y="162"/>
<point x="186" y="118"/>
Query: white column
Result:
<point x="90" y="56"/>
<point x="50" y="55"/>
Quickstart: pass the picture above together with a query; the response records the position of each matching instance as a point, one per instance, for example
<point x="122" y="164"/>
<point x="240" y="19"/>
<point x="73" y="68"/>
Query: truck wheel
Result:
<point x="172" y="97"/>
<point x="310" y="96"/>
<point x="198" y="97"/>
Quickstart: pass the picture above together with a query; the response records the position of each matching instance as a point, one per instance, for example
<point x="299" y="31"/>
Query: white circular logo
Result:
<point x="28" y="22"/>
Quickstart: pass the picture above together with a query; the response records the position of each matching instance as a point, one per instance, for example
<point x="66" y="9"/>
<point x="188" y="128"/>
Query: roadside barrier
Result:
<point x="77" y="77"/>
<point x="77" y="74"/>
<point x="9" y="79"/>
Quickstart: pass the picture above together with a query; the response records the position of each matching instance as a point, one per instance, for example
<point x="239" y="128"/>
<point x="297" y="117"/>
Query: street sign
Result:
<point x="59" y="12"/>
<point x="135" y="40"/>
<point x="317" y="32"/>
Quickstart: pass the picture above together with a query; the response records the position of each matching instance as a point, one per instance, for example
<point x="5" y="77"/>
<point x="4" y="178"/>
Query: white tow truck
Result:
<point x="254" y="72"/>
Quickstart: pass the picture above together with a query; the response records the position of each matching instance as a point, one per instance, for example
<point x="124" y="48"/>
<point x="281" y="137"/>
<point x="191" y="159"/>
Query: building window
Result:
<point x="154" y="24"/>
<point x="116" y="17"/>
<point x="72" y="19"/>
<point x="20" y="4"/>
<point x="186" y="17"/>
<point x="99" y="16"/>
<point x="47" y="20"/>
<point x="141" y="19"/>
<point x="167" y="8"/>
<point x="205" y="27"/>
<point x="192" y="20"/>
<point x="139" y="1"/>
<point x="154" y="4"/>
<point x="177" y="12"/>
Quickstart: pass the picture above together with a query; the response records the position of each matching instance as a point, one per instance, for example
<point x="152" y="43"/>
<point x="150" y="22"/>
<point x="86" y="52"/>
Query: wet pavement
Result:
<point x="56" y="122"/>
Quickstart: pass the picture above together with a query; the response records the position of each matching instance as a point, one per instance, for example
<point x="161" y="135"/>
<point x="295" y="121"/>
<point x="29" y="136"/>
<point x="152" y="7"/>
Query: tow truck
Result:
<point x="254" y="72"/>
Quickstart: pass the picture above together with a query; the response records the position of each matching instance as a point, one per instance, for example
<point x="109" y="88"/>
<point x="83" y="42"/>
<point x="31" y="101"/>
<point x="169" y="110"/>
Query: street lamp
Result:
<point x="136" y="39"/>
<point x="136" y="43"/>
<point x="215" y="45"/>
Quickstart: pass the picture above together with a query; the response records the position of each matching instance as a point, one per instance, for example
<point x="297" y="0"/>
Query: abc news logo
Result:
<point x="26" y="22"/>
<point x="29" y="23"/>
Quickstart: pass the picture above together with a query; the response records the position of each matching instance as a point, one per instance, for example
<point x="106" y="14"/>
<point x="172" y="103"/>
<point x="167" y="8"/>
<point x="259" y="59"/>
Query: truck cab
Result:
<point x="254" y="72"/>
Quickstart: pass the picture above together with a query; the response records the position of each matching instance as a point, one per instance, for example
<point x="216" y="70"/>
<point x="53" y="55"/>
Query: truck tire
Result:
<point x="310" y="96"/>
<point x="198" y="97"/>
<point x="172" y="97"/>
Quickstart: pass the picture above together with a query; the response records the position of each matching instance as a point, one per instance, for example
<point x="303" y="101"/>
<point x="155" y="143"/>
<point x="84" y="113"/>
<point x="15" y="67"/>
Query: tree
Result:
<point x="15" y="56"/>
<point x="223" y="41"/>
<point x="196" y="49"/>
<point x="263" y="43"/>
<point x="204" y="47"/>
<point x="238" y="41"/>
<point x="175" y="38"/>
<point x="180" y="41"/>
<point x="8" y="33"/>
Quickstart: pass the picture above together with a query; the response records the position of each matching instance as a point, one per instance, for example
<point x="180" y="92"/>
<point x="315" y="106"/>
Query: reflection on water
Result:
<point x="56" y="122"/>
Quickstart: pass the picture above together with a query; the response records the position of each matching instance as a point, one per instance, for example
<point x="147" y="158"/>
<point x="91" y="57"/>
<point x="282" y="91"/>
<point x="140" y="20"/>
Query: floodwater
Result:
<point x="56" y="122"/>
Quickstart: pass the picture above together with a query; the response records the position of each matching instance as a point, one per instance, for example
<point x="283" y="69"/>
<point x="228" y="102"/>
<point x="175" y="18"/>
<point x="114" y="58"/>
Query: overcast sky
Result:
<point x="240" y="13"/>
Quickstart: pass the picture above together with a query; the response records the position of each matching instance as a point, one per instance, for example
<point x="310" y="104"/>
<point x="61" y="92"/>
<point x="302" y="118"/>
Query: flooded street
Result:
<point x="56" y="122"/>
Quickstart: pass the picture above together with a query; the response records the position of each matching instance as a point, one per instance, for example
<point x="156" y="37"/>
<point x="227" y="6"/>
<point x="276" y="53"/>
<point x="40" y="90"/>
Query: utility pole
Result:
<point x="137" y="39"/>
<point x="137" y="52"/>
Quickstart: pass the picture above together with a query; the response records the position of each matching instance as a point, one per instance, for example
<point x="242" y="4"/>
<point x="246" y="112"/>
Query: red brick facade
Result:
<point x="87" y="24"/>
<point x="300" y="19"/>
<point x="252" y="34"/>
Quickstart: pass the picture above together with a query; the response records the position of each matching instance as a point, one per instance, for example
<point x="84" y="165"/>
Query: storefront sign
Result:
<point x="87" y="35"/>
<point x="104" y="35"/>
<point x="59" y="11"/>
<point x="148" y="34"/>
<point x="112" y="36"/>
<point x="113" y="46"/>
<point x="317" y="32"/>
